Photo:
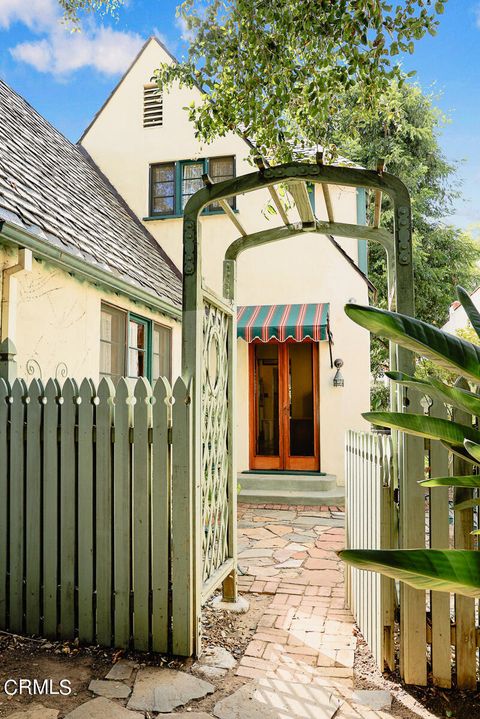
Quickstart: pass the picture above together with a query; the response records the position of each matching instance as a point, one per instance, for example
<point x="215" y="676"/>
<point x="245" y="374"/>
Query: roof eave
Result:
<point x="22" y="237"/>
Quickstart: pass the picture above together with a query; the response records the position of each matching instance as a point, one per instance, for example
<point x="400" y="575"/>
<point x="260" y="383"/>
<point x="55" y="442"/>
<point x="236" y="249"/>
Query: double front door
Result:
<point x="284" y="405"/>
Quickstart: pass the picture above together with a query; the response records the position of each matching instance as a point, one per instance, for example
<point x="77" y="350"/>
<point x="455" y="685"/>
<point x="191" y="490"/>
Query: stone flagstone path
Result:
<point x="299" y="663"/>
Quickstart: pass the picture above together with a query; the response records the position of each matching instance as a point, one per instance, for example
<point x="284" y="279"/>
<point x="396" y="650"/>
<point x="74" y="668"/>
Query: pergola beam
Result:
<point x="208" y="182"/>
<point x="340" y="229"/>
<point x="260" y="163"/>
<point x="299" y="192"/>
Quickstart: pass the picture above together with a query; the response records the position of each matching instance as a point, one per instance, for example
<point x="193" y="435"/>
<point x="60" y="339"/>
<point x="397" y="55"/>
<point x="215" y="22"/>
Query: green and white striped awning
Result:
<point x="282" y="322"/>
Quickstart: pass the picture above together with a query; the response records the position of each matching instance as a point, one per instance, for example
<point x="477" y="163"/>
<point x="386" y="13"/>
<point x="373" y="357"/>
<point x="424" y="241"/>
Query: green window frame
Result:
<point x="133" y="346"/>
<point x="173" y="183"/>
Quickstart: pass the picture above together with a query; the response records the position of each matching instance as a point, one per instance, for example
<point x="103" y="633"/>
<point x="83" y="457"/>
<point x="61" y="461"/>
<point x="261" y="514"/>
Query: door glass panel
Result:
<point x="300" y="393"/>
<point x="266" y="391"/>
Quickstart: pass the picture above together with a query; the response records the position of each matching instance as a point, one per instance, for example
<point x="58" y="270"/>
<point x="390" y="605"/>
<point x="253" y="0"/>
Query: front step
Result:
<point x="294" y="489"/>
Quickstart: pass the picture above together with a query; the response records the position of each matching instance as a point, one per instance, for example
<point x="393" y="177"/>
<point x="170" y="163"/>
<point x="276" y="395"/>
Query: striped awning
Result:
<point x="282" y="322"/>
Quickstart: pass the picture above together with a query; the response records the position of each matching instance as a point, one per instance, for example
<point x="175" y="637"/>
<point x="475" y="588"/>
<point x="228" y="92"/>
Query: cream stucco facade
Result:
<point x="56" y="326"/>
<point x="307" y="268"/>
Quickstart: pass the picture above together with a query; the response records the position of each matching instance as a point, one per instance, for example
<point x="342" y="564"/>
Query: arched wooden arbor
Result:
<point x="209" y="354"/>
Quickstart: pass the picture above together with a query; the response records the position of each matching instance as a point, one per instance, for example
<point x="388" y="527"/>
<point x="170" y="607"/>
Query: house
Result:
<point x="457" y="317"/>
<point x="104" y="223"/>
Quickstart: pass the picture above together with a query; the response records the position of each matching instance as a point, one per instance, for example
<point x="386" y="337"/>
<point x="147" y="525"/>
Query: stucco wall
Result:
<point x="303" y="269"/>
<point x="58" y="321"/>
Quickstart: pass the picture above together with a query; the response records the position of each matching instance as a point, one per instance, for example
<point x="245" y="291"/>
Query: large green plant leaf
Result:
<point x="448" y="351"/>
<point x="473" y="448"/>
<point x="423" y="426"/>
<point x="472" y="312"/>
<point x="461" y="452"/>
<point x="461" y="398"/>
<point x="470" y="481"/>
<point x="467" y="504"/>
<point x="433" y="387"/>
<point x="449" y="570"/>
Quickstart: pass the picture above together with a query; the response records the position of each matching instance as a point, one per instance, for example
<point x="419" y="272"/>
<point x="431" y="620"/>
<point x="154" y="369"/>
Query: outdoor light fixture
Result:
<point x="338" y="380"/>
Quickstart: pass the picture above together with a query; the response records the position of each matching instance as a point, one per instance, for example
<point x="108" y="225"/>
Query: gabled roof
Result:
<point x="50" y="187"/>
<point x="147" y="42"/>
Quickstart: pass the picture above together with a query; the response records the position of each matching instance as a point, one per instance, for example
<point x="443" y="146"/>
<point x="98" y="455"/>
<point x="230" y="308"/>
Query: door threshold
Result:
<point x="285" y="471"/>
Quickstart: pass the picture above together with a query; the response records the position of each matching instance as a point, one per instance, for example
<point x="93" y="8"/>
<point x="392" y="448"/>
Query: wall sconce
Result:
<point x="338" y="380"/>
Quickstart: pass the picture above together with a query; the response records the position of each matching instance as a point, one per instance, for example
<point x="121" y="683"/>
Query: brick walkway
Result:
<point x="305" y="635"/>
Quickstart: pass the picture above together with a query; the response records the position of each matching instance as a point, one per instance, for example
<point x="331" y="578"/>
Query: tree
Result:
<point x="405" y="133"/>
<point x="71" y="8"/>
<point x="277" y="71"/>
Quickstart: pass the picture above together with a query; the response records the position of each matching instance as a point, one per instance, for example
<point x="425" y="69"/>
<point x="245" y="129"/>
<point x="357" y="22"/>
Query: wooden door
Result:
<point x="284" y="429"/>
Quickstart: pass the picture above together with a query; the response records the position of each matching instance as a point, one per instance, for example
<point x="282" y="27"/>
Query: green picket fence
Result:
<point x="87" y="548"/>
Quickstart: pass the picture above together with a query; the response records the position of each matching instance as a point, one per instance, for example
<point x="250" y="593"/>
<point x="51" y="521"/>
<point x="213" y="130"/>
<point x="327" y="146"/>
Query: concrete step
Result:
<point x="330" y="498"/>
<point x="287" y="482"/>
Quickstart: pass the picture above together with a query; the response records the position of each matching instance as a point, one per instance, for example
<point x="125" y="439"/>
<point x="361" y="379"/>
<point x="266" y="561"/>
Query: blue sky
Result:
<point x="68" y="77"/>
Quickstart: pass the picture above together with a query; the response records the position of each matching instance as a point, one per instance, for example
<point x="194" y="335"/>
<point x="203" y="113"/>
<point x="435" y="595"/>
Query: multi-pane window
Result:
<point x="161" y="352"/>
<point x="132" y="346"/>
<point x="138" y="347"/>
<point x="173" y="183"/>
<point x="112" y="343"/>
<point x="163" y="189"/>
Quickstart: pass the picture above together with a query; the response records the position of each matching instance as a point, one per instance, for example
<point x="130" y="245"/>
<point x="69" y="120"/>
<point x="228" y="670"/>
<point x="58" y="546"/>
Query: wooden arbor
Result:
<point x="209" y="361"/>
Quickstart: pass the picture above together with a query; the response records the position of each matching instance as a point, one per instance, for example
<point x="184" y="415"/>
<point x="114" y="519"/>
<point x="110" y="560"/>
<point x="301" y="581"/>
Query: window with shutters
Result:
<point x="173" y="183"/>
<point x="152" y="106"/>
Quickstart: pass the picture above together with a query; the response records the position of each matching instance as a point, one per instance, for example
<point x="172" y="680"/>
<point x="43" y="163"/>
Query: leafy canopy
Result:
<point x="405" y="132"/>
<point x="71" y="8"/>
<point x="279" y="70"/>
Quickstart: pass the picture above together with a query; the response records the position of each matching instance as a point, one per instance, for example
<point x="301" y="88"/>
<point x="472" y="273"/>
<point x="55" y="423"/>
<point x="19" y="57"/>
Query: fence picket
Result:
<point x="141" y="522"/>
<point x="50" y="508"/>
<point x="33" y="507"/>
<point x="182" y="538"/>
<point x="122" y="509"/>
<point x="103" y="514"/>
<point x="4" y="394"/>
<point x="17" y="493"/>
<point x="85" y="530"/>
<point x="68" y="411"/>
<point x="466" y="640"/>
<point x="160" y="521"/>
<point x="439" y="539"/>
<point x="90" y="553"/>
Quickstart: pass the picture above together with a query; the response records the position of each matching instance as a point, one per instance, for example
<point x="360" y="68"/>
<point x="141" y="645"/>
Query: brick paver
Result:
<point x="306" y="635"/>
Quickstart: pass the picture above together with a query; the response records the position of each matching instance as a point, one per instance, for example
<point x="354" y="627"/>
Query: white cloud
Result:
<point x="61" y="52"/>
<point x="38" y="15"/>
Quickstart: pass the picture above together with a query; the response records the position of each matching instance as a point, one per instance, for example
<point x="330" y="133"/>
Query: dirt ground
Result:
<point x="38" y="659"/>
<point x="410" y="702"/>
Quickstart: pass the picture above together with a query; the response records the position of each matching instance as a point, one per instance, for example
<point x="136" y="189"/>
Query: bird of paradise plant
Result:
<point x="449" y="570"/>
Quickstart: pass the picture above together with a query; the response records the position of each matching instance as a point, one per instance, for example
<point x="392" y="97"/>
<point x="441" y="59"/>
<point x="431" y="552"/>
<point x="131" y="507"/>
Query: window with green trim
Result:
<point x="133" y="346"/>
<point x="173" y="183"/>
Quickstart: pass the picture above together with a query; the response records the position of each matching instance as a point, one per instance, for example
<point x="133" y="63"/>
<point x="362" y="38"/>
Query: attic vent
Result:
<point x="152" y="106"/>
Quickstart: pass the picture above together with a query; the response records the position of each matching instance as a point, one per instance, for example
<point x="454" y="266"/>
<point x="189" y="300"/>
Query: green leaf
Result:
<point x="460" y="451"/>
<point x="472" y="313"/>
<point x="448" y="570"/>
<point x="433" y="387"/>
<point x="467" y="504"/>
<point x="469" y="481"/>
<point x="423" y="426"/>
<point x="449" y="352"/>
<point x="461" y="398"/>
<point x="473" y="449"/>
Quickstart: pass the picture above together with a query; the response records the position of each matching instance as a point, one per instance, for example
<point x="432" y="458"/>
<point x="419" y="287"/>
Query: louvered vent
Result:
<point x="152" y="106"/>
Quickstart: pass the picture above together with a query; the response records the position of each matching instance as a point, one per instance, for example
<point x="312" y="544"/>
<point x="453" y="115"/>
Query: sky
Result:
<point x="66" y="76"/>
